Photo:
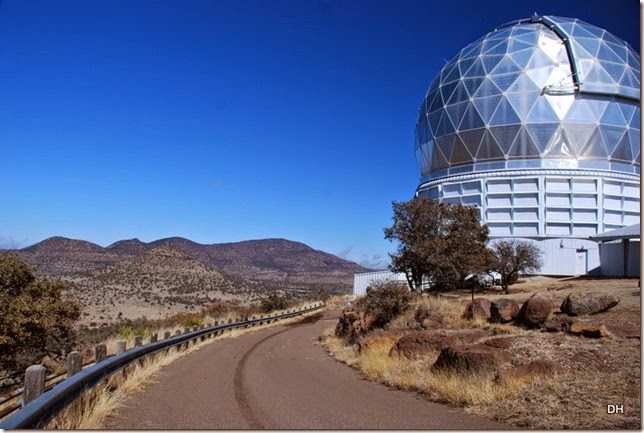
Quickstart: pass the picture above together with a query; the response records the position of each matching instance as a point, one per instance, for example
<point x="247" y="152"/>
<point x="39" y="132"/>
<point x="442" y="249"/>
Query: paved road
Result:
<point x="279" y="378"/>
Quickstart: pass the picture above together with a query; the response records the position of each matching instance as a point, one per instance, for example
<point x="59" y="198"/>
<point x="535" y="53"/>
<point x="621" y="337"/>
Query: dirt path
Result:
<point x="279" y="378"/>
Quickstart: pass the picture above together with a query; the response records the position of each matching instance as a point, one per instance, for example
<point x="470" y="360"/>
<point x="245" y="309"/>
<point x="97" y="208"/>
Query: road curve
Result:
<point x="279" y="378"/>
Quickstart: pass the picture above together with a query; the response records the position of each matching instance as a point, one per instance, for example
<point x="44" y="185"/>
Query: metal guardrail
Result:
<point x="40" y="410"/>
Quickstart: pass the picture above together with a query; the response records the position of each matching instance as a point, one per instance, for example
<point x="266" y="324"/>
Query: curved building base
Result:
<point x="556" y="208"/>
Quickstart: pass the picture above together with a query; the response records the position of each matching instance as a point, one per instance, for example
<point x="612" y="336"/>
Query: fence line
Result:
<point x="40" y="406"/>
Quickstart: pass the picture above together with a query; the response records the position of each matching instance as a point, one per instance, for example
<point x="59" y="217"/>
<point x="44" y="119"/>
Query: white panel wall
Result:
<point x="364" y="280"/>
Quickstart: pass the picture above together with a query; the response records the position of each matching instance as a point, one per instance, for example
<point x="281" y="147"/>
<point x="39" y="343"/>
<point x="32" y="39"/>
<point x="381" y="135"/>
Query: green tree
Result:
<point x="436" y="240"/>
<point x="514" y="256"/>
<point x="35" y="320"/>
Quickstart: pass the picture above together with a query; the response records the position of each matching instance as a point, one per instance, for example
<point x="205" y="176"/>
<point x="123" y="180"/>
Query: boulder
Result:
<point x="416" y="344"/>
<point x="478" y="358"/>
<point x="588" y="330"/>
<point x="479" y="308"/>
<point x="504" y="310"/>
<point x="578" y="304"/>
<point x="559" y="323"/>
<point x="536" y="310"/>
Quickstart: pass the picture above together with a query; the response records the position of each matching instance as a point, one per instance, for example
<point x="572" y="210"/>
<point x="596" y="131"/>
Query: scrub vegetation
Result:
<point x="523" y="377"/>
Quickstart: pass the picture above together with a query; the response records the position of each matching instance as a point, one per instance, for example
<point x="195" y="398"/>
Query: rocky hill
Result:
<point x="160" y="281"/>
<point x="131" y="278"/>
<point x="60" y="256"/>
<point x="282" y="262"/>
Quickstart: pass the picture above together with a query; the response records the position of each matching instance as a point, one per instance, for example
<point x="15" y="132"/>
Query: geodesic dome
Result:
<point x="544" y="92"/>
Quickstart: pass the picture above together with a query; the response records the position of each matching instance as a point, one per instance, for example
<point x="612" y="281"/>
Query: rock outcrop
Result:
<point x="416" y="344"/>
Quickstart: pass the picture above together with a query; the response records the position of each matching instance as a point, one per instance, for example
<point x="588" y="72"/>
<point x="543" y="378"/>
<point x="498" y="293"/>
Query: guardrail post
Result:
<point x="138" y="341"/>
<point x="34" y="383"/>
<point x="178" y="332"/>
<point x="154" y="338"/>
<point x="121" y="346"/>
<point x="74" y="363"/>
<point x="100" y="352"/>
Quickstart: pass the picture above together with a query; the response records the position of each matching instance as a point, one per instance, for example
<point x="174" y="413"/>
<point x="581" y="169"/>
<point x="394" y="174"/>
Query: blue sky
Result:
<point x="223" y="121"/>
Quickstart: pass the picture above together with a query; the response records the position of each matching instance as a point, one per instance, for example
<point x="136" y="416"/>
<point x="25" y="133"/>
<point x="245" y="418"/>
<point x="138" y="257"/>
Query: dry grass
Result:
<point x="416" y="375"/>
<point x="92" y="408"/>
<point x="444" y="313"/>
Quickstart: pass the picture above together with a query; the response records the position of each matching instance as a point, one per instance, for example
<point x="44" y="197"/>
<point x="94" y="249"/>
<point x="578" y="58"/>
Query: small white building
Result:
<point x="619" y="252"/>
<point x="366" y="279"/>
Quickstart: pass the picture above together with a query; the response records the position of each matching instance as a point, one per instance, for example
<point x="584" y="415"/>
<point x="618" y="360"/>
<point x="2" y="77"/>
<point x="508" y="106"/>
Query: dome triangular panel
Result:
<point x="504" y="114"/>
<point x="438" y="158"/>
<point x="594" y="148"/>
<point x="542" y="134"/>
<point x="578" y="135"/>
<point x="591" y="45"/>
<point x="623" y="151"/>
<point x="460" y="153"/>
<point x="505" y="136"/>
<point x="471" y="119"/>
<point x="559" y="147"/>
<point x="613" y="116"/>
<point x="487" y="106"/>
<point x="472" y="139"/>
<point x="634" y="138"/>
<point x="489" y="62"/>
<point x="611" y="135"/>
<point x="523" y="145"/>
<point x="489" y="148"/>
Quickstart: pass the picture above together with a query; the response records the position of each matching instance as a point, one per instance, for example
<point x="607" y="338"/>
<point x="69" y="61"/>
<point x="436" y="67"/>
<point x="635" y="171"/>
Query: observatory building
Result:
<point x="537" y="124"/>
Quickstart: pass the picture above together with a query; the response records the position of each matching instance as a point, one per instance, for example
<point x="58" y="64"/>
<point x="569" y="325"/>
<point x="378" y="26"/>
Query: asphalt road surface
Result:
<point x="279" y="378"/>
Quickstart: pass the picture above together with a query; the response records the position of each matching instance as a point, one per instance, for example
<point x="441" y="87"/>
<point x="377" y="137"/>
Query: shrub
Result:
<point x="128" y="332"/>
<point x="193" y="321"/>
<point x="273" y="302"/>
<point x="386" y="301"/>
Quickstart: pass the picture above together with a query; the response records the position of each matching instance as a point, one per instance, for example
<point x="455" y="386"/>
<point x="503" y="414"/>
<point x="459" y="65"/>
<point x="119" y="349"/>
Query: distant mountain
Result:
<point x="128" y="247"/>
<point x="131" y="278"/>
<point x="282" y="262"/>
<point x="60" y="256"/>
